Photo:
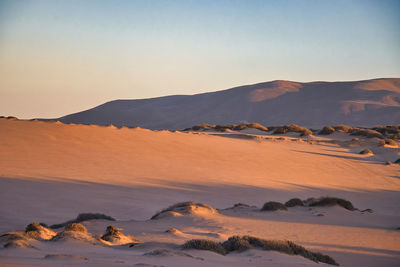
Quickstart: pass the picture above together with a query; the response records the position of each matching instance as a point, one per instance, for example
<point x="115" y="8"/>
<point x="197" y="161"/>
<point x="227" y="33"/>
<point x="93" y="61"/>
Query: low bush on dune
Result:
<point x="273" y="206"/>
<point x="293" y="128"/>
<point x="389" y="142"/>
<point x="397" y="161"/>
<point x="294" y="202"/>
<point x="327" y="130"/>
<point x="84" y="217"/>
<point x="242" y="243"/>
<point x="332" y="201"/>
<point x="343" y="128"/>
<point x="39" y="231"/>
<point x="203" y="126"/>
<point x="366" y="151"/>
<point x="222" y="128"/>
<point x="205" y="244"/>
<point x="183" y="208"/>
<point x="369" y="133"/>
<point x="306" y="133"/>
<point x="76" y="227"/>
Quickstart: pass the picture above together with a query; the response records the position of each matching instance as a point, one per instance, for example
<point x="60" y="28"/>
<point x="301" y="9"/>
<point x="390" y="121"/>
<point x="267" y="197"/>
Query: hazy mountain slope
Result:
<point x="361" y="103"/>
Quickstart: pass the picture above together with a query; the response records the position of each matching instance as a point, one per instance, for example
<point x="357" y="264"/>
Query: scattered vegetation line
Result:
<point x="205" y="244"/>
<point x="242" y="243"/>
<point x="84" y="217"/>
<point x="331" y="201"/>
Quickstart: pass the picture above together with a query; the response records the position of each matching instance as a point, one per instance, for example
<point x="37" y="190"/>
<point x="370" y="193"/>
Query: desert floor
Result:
<point x="50" y="172"/>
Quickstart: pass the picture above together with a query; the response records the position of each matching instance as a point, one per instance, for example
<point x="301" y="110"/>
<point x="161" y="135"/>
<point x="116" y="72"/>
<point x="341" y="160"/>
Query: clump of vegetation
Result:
<point x="366" y="151"/>
<point x="223" y="128"/>
<point x="188" y="207"/>
<point x="397" y="161"/>
<point x="388" y="163"/>
<point x="35" y="226"/>
<point x="273" y="206"/>
<point x="84" y="217"/>
<point x="242" y="243"/>
<point x="76" y="227"/>
<point x="293" y="128"/>
<point x="343" y="128"/>
<point x="327" y="130"/>
<point x="369" y="133"/>
<point x="389" y="142"/>
<point x="39" y="231"/>
<point x="332" y="201"/>
<point x="294" y="202"/>
<point x="11" y="118"/>
<point x="205" y="244"/>
<point x="203" y="126"/>
<point x="355" y="139"/>
<point x="306" y="133"/>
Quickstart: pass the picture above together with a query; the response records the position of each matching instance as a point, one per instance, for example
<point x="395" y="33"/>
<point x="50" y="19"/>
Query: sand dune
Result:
<point x="51" y="172"/>
<point x="315" y="104"/>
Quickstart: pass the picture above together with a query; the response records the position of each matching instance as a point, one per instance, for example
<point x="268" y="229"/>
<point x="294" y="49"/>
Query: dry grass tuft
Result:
<point x="242" y="243"/>
<point x="294" y="202"/>
<point x="343" y="128"/>
<point x="369" y="133"/>
<point x="205" y="244"/>
<point x="76" y="227"/>
<point x="389" y="142"/>
<point x="293" y="128"/>
<point x="332" y="201"/>
<point x="366" y="151"/>
<point x="327" y="130"/>
<point x="37" y="230"/>
<point x="184" y="208"/>
<point x="273" y="206"/>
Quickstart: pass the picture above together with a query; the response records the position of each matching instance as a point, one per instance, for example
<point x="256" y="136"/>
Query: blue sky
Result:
<point x="59" y="57"/>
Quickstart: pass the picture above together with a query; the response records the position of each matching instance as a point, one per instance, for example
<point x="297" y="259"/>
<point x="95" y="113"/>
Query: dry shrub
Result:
<point x="306" y="133"/>
<point x="390" y="142"/>
<point x="294" y="202"/>
<point x="343" y="128"/>
<point x="205" y="244"/>
<point x="273" y="206"/>
<point x="76" y="227"/>
<point x="184" y="208"/>
<point x="332" y="201"/>
<point x="292" y="128"/>
<point x="367" y="133"/>
<point x="327" y="130"/>
<point x="84" y="217"/>
<point x="397" y="161"/>
<point x="202" y="126"/>
<point x="37" y="230"/>
<point x="242" y="243"/>
<point x="366" y="151"/>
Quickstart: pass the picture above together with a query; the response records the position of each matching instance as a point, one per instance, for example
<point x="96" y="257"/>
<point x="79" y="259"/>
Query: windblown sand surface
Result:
<point x="51" y="172"/>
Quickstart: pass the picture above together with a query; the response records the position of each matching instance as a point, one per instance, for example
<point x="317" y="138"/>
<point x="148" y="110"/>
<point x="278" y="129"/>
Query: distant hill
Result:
<point x="315" y="104"/>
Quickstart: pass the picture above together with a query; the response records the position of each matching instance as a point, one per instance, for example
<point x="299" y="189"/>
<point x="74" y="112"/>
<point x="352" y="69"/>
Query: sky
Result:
<point x="61" y="57"/>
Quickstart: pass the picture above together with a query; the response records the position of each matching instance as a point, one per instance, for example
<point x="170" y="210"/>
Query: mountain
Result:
<point x="313" y="104"/>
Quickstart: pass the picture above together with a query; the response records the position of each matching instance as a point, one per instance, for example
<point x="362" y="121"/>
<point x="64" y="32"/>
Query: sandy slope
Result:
<point x="50" y="172"/>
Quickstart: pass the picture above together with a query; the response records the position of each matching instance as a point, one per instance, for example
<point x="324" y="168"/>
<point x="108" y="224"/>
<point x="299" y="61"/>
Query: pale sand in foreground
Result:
<point x="50" y="172"/>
